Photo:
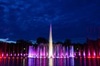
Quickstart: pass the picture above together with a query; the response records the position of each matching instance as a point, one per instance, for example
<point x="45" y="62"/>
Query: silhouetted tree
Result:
<point x="59" y="42"/>
<point x="41" y="40"/>
<point x="23" y="45"/>
<point x="23" y="42"/>
<point x="67" y="42"/>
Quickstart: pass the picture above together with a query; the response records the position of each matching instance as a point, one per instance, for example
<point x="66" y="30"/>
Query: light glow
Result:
<point x="50" y="43"/>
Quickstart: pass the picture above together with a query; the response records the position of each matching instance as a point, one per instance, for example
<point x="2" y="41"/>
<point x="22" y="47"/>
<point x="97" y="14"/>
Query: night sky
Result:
<point x="30" y="19"/>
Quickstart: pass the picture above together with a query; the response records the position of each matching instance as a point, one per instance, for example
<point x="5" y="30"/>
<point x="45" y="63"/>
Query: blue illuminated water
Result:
<point x="49" y="62"/>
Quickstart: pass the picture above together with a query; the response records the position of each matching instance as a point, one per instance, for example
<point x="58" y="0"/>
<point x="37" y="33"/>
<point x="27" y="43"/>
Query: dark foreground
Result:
<point x="49" y="62"/>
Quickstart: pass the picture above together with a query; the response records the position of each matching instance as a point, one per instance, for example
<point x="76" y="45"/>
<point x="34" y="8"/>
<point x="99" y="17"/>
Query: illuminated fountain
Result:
<point x="51" y="51"/>
<point x="71" y="51"/>
<point x="30" y="52"/>
<point x="50" y="43"/>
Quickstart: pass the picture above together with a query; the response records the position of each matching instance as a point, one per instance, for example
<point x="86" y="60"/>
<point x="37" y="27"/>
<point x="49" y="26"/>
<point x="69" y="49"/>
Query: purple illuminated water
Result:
<point x="58" y="52"/>
<point x="49" y="62"/>
<point x="31" y="52"/>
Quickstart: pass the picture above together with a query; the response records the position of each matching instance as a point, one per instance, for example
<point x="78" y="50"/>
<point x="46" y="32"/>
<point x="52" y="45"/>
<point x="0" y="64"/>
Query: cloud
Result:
<point x="31" y="18"/>
<point x="7" y="40"/>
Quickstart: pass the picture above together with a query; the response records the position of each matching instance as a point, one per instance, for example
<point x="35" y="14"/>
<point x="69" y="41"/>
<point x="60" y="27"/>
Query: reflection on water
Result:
<point x="71" y="61"/>
<point x="49" y="62"/>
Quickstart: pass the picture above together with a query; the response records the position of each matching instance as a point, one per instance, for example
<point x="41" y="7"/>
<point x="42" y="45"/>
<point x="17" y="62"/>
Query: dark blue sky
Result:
<point x="29" y="19"/>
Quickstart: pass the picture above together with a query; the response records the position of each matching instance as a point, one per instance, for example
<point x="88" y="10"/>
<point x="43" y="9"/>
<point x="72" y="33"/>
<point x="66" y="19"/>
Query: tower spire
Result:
<point x="50" y="43"/>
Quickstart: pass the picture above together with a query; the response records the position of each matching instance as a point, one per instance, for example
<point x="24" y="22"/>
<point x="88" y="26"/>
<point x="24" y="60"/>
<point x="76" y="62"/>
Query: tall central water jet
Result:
<point x="50" y="43"/>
